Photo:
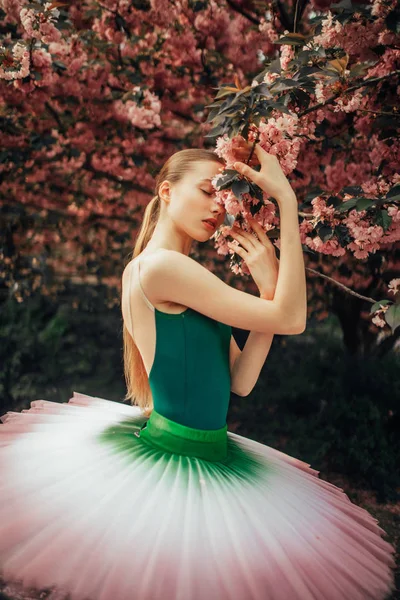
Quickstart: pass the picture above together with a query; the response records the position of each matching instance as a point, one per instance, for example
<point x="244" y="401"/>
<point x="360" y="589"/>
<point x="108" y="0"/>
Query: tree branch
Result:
<point x="343" y="287"/>
<point x="244" y="13"/>
<point x="356" y="86"/>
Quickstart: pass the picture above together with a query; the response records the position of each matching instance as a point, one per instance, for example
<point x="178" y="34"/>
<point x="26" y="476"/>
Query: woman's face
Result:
<point x="192" y="200"/>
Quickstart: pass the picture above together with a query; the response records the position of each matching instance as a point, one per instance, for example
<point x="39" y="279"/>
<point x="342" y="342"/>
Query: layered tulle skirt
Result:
<point x="104" y="504"/>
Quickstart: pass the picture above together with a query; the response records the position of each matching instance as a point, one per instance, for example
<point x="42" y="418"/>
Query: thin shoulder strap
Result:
<point x="145" y="298"/>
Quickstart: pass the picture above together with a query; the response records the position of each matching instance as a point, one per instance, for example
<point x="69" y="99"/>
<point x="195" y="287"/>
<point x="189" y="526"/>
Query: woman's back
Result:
<point x="186" y="356"/>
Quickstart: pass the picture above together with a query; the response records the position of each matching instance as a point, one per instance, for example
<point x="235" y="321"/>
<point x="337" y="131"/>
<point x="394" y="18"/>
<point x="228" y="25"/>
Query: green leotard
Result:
<point x="190" y="376"/>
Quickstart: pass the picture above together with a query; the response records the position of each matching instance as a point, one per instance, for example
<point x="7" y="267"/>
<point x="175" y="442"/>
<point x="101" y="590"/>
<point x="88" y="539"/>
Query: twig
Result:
<point x="356" y="86"/>
<point x="344" y="287"/>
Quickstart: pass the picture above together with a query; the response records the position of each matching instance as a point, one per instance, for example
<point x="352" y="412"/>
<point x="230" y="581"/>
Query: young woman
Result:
<point x="157" y="500"/>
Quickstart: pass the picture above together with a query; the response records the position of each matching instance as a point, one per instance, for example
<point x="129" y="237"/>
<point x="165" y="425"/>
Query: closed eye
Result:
<point x="208" y="193"/>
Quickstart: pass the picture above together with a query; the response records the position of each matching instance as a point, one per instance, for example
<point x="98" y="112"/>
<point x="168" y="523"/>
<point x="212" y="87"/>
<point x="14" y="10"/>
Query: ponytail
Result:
<point x="136" y="378"/>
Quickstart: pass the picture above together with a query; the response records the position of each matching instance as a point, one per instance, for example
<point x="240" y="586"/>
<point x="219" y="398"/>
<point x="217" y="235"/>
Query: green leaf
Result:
<point x="260" y="76"/>
<point x="312" y="194"/>
<point x="294" y="39"/>
<point x="240" y="187"/>
<point x="343" y="4"/>
<point x="229" y="219"/>
<point x="376" y="305"/>
<point x="226" y="179"/>
<point x="212" y="114"/>
<point x="349" y="204"/>
<point x="334" y="201"/>
<point x="197" y="5"/>
<point x="364" y="204"/>
<point x="256" y="191"/>
<point x="283" y="84"/>
<point x="352" y="189"/>
<point x="59" y="64"/>
<point x="383" y="219"/>
<point x="213" y="105"/>
<point x="394" y="193"/>
<point x="324" y="231"/>
<point x="392" y="316"/>
<point x="392" y="20"/>
<point x="343" y="235"/>
<point x="35" y="5"/>
<point x="222" y="93"/>
<point x="216" y="131"/>
<point x="263" y="89"/>
<point x="255" y="208"/>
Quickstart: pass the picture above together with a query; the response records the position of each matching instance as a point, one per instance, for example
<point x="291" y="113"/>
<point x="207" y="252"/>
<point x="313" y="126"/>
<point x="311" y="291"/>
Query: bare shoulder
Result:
<point x="164" y="256"/>
<point x="127" y="273"/>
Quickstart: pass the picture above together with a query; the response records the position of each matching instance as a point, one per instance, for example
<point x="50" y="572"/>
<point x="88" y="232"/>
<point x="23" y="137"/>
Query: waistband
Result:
<point x="165" y="434"/>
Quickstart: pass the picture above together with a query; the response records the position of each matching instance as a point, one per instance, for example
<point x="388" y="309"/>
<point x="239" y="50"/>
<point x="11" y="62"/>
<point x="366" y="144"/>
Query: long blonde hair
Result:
<point x="137" y="382"/>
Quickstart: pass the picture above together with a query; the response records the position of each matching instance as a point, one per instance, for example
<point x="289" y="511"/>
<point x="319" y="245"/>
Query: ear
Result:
<point x="164" y="191"/>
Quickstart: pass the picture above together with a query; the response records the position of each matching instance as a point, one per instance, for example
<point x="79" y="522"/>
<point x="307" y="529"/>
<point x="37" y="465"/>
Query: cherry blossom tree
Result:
<point x="320" y="104"/>
<point x="96" y="95"/>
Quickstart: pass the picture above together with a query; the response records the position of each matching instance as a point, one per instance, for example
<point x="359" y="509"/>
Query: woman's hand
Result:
<point x="270" y="178"/>
<point x="259" y="255"/>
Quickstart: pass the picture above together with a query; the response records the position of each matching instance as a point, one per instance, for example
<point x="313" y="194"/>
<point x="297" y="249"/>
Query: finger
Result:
<point x="247" y="234"/>
<point x="260" y="151"/>
<point x="245" y="238"/>
<point x="238" y="249"/>
<point x="259" y="230"/>
<point x="265" y="157"/>
<point x="247" y="171"/>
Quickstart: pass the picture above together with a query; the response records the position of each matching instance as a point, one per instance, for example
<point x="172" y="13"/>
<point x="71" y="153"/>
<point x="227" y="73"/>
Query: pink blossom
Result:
<point x="321" y="211"/>
<point x="20" y="60"/>
<point x="39" y="24"/>
<point x="348" y="104"/>
<point x="366" y="237"/>
<point x="377" y="319"/>
<point x="394" y="285"/>
<point x="145" y="116"/>
<point x="287" y="53"/>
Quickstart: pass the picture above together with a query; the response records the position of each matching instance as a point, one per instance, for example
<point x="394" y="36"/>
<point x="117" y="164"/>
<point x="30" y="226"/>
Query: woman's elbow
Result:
<point x="240" y="392"/>
<point x="296" y="329"/>
<point x="302" y="327"/>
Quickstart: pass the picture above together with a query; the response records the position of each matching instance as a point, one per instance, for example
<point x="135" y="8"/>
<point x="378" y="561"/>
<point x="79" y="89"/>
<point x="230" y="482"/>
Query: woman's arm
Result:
<point x="173" y="276"/>
<point x="290" y="292"/>
<point x="291" y="288"/>
<point x="248" y="364"/>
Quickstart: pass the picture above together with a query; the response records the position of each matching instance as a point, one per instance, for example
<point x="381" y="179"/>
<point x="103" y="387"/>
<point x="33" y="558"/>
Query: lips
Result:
<point x="212" y="222"/>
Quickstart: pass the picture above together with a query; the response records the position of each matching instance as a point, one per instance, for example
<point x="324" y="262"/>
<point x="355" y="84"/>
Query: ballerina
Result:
<point x="156" y="499"/>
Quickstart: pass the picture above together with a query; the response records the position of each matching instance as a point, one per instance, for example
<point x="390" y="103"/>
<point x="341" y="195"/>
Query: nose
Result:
<point x="219" y="213"/>
<point x="218" y="209"/>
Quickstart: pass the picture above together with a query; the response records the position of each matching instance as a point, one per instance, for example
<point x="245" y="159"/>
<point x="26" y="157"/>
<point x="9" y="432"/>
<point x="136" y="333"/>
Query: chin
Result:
<point x="208" y="235"/>
<point x="202" y="238"/>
